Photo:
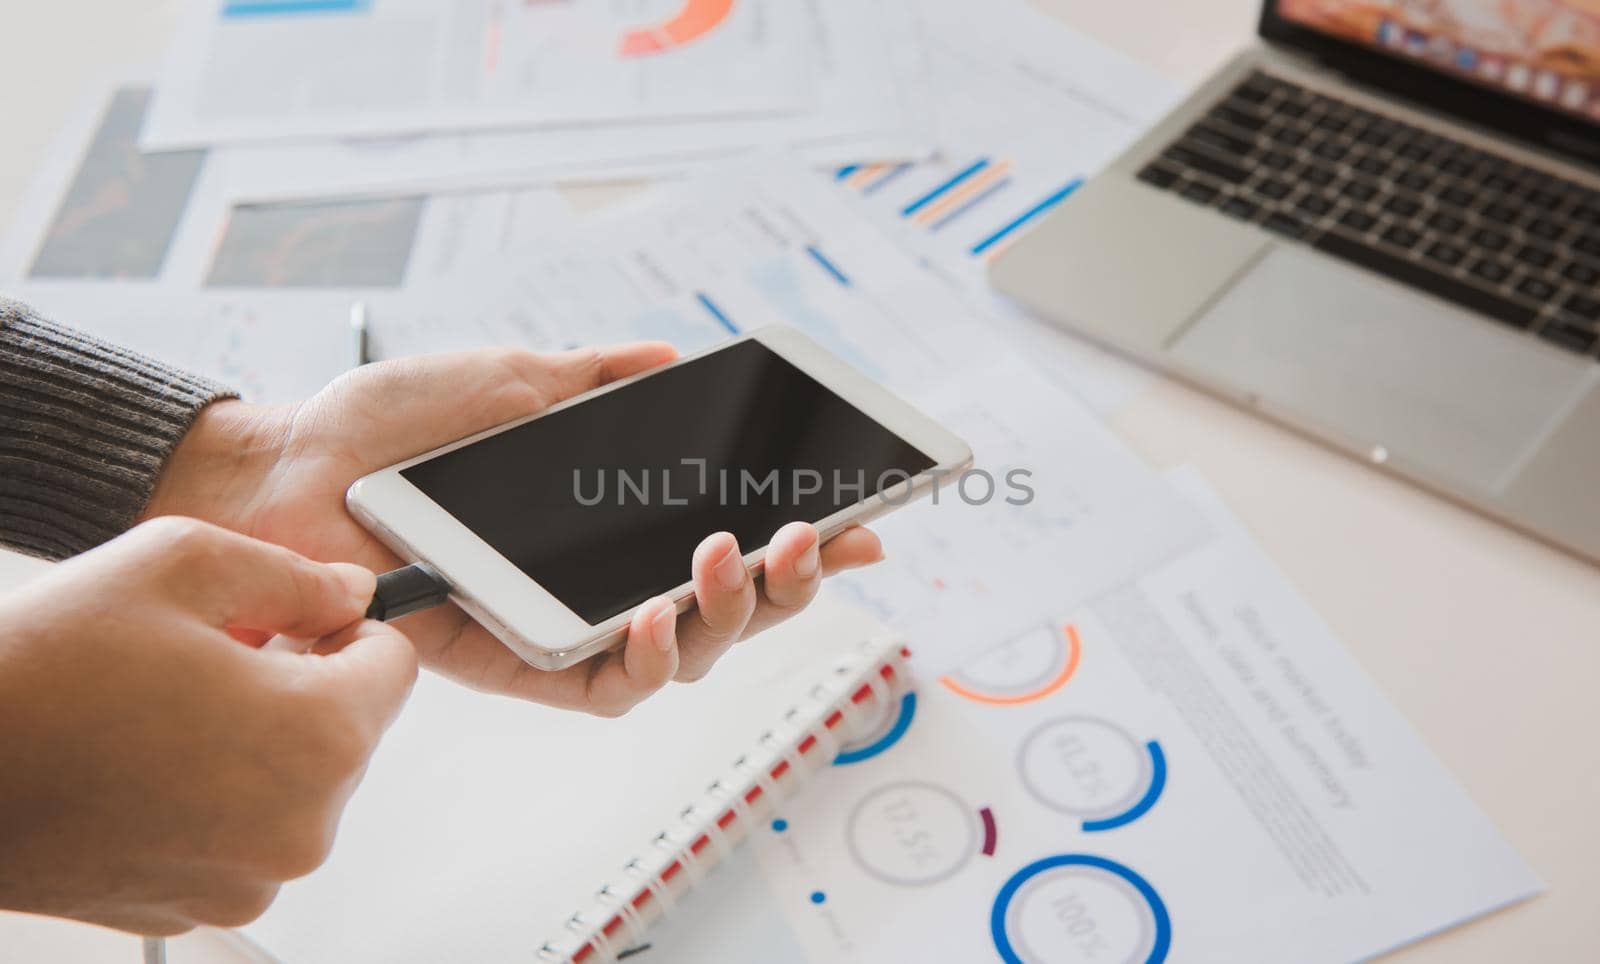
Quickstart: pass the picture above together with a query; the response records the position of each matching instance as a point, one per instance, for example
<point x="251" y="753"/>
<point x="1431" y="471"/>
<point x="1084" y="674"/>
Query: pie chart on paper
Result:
<point x="694" y="19"/>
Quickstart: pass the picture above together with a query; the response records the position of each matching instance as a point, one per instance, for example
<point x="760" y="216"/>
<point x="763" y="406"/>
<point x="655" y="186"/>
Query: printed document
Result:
<point x="1025" y="109"/>
<point x="384" y="67"/>
<point x="869" y="82"/>
<point x="103" y="213"/>
<point x="1190" y="768"/>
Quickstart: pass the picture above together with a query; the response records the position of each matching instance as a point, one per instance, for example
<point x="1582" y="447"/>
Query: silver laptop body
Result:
<point x="1479" y="410"/>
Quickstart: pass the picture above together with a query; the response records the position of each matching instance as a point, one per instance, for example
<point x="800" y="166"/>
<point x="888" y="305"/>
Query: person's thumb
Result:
<point x="428" y="401"/>
<point x="236" y="582"/>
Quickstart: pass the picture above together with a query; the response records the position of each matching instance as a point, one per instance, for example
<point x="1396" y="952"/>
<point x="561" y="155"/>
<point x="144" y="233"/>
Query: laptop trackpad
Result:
<point x="1377" y="364"/>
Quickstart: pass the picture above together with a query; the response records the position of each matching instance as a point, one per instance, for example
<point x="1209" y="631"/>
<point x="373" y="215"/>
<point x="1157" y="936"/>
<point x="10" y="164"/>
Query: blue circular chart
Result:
<point x="1079" y="908"/>
<point x="887" y="733"/>
<point x="1093" y="770"/>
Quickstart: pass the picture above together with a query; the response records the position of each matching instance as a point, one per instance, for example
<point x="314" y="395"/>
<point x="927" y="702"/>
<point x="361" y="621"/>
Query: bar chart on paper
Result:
<point x="1069" y="106"/>
<point x="973" y="209"/>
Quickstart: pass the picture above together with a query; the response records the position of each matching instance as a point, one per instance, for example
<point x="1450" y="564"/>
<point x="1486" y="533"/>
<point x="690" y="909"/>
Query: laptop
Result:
<point x="1380" y="225"/>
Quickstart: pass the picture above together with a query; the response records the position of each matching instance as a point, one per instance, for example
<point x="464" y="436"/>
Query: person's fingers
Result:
<point x="725" y="596"/>
<point x="793" y="568"/>
<point x="790" y="578"/>
<point x="370" y="666"/>
<point x="436" y="399"/>
<point x="617" y="681"/>
<point x="239" y="583"/>
<point x="851" y="549"/>
<point x="574" y="372"/>
<point x="455" y="646"/>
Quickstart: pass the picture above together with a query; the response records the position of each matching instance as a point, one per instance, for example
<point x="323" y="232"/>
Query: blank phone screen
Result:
<point x="603" y="503"/>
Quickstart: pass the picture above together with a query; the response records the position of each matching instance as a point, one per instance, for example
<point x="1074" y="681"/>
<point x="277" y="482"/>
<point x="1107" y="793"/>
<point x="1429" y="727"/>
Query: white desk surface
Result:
<point x="1487" y="641"/>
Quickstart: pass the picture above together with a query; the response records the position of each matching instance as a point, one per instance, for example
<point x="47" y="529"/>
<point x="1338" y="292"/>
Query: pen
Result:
<point x="358" y="334"/>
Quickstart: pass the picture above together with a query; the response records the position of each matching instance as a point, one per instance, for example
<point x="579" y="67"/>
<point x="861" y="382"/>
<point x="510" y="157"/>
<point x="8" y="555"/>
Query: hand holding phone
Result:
<point x="557" y="530"/>
<point x="279" y="473"/>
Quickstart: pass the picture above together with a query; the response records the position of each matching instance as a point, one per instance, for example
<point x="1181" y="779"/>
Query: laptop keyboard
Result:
<point x="1514" y="243"/>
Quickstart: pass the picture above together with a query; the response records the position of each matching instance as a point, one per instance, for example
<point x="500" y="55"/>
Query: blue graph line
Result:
<point x="885" y="179"/>
<point x="827" y="265"/>
<point x="1158" y="780"/>
<point x="288" y="8"/>
<point x="1028" y="215"/>
<point x="945" y="188"/>
<point x="1158" y="910"/>
<point x="846" y="171"/>
<point x="968" y="205"/>
<point x="908" y="709"/>
<point x="711" y="306"/>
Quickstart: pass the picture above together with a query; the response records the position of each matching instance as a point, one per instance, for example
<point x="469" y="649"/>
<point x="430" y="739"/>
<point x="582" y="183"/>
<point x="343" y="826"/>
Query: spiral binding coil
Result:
<point x="708" y="830"/>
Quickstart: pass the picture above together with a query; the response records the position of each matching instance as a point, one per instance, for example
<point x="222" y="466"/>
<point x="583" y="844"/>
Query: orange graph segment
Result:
<point x="965" y="193"/>
<point x="1069" y="666"/>
<point x="638" y="43"/>
<point x="693" y="21"/>
<point x="696" y="19"/>
<point x="866" y="175"/>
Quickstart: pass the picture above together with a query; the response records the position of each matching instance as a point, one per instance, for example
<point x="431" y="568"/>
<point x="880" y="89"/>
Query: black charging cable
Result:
<point x="408" y="590"/>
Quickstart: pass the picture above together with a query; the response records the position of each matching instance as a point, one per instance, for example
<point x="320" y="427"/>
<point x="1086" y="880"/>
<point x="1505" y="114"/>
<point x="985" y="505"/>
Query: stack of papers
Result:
<point x="261" y="70"/>
<point x="485" y="94"/>
<point x="847" y="168"/>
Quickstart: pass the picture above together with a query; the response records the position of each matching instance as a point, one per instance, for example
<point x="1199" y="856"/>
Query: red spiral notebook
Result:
<point x="839" y="709"/>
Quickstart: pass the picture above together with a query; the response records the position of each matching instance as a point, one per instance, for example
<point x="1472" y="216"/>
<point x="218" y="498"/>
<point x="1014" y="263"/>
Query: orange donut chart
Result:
<point x="695" y="20"/>
<point x="1070" y="666"/>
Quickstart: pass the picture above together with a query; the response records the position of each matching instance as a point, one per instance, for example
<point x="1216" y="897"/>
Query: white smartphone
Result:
<point x="552" y="529"/>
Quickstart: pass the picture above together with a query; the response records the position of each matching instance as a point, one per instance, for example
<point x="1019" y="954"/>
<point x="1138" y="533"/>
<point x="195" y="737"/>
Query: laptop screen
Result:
<point x="1546" y="51"/>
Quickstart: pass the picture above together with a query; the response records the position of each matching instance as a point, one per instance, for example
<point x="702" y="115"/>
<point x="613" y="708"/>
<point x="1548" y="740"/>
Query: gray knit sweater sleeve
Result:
<point x="85" y="428"/>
